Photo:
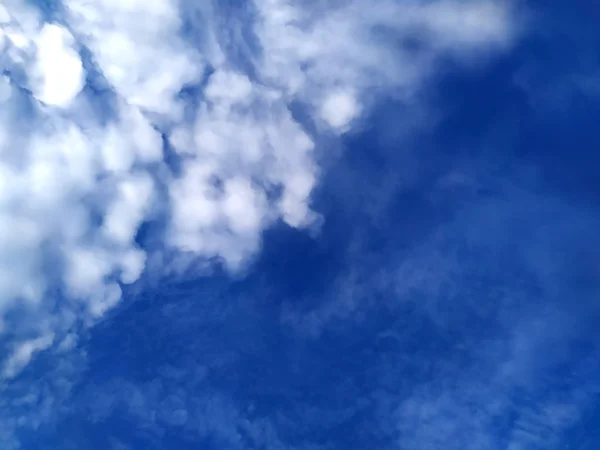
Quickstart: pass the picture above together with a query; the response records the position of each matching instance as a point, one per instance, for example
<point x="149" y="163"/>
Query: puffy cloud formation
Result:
<point x="113" y="113"/>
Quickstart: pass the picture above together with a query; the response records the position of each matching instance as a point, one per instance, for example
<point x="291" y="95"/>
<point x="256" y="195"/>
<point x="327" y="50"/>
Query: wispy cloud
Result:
<point x="504" y="362"/>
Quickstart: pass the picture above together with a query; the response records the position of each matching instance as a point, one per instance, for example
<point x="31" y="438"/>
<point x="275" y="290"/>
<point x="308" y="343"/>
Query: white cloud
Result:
<point x="128" y="209"/>
<point x="145" y="60"/>
<point x="58" y="69"/>
<point x="22" y="354"/>
<point x="339" y="108"/>
<point x="76" y="183"/>
<point x="243" y="135"/>
<point x="352" y="47"/>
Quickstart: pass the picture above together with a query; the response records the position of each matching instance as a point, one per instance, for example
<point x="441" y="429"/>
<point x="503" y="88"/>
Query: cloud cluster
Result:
<point x="99" y="133"/>
<point x="82" y="168"/>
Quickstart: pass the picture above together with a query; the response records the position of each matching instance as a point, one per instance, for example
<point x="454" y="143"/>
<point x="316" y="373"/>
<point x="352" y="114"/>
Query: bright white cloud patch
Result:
<point x="339" y="109"/>
<point x="58" y="70"/>
<point x="77" y="182"/>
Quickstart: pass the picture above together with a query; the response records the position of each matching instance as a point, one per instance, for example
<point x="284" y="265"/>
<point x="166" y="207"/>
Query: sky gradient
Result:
<point x="311" y="225"/>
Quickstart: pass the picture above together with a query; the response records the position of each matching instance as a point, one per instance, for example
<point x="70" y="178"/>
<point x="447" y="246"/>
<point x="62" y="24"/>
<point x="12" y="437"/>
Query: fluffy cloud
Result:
<point x="57" y="75"/>
<point x="78" y="179"/>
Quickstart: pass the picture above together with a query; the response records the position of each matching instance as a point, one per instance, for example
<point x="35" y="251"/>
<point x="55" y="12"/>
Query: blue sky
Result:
<point x="299" y="225"/>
